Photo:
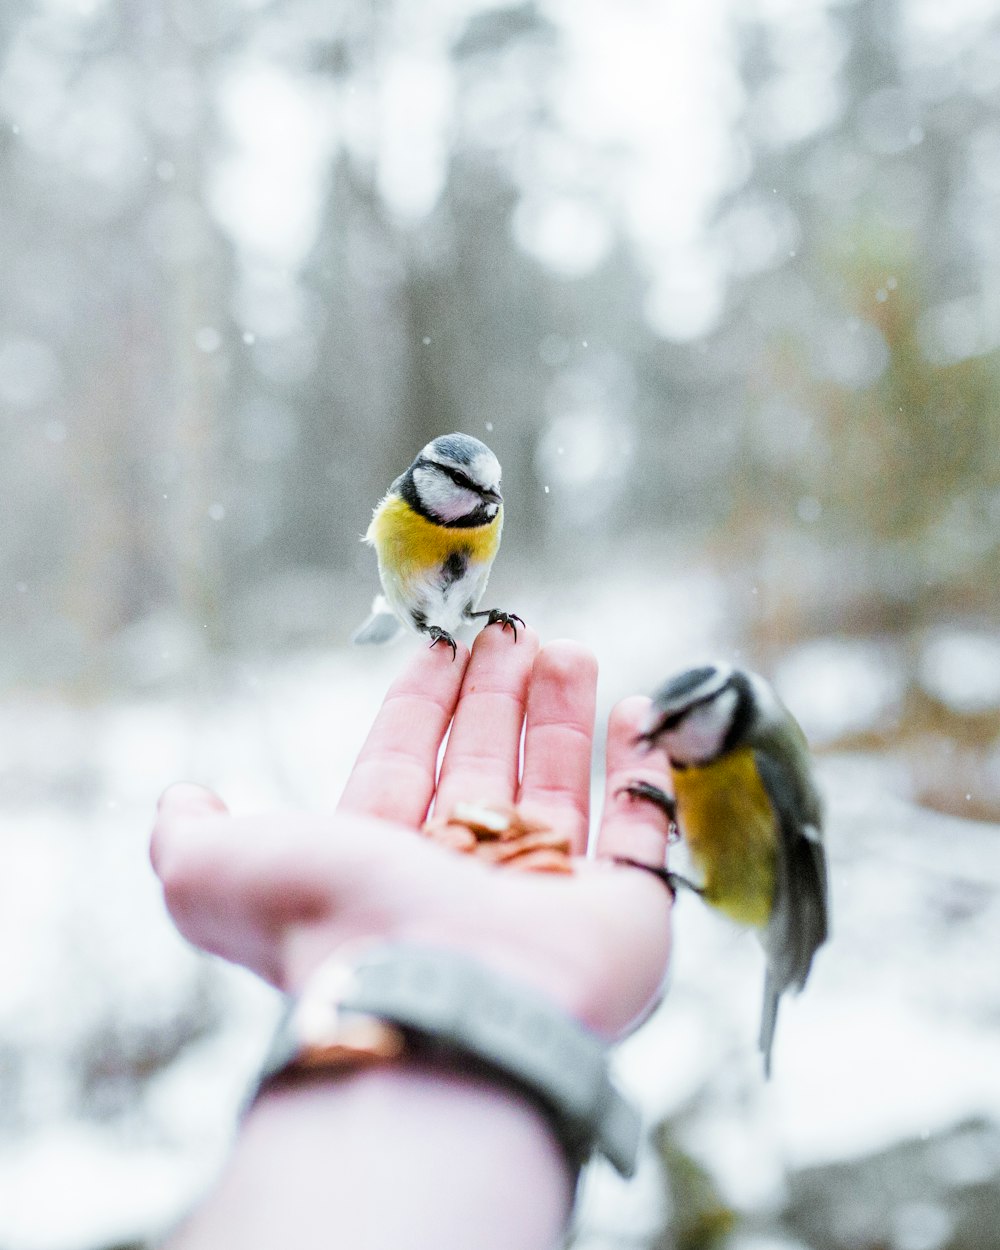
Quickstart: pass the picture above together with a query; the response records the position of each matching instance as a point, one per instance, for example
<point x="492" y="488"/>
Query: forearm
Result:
<point x="395" y="1156"/>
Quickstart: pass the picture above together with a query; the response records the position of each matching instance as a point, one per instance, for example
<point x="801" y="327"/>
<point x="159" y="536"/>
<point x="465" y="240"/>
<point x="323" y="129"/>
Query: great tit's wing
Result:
<point x="799" y="922"/>
<point x="768" y="1019"/>
<point x="382" y="626"/>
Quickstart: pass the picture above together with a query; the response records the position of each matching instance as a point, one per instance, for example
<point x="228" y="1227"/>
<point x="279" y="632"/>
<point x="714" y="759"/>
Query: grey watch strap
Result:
<point x="452" y="1003"/>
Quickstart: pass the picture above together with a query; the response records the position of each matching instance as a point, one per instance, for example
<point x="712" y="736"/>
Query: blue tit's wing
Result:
<point x="799" y="922"/>
<point x="381" y="626"/>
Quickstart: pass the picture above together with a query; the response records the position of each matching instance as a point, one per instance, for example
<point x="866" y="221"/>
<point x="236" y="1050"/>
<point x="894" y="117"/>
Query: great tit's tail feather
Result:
<point x="768" y="1020"/>
<point x="382" y="626"/>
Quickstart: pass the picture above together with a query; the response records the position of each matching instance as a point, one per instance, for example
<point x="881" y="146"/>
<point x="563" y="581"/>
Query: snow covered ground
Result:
<point x="124" y="1054"/>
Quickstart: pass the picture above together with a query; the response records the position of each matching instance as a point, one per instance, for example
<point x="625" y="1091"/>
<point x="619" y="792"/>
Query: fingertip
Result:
<point x="437" y="665"/>
<point x="441" y="653"/>
<point x="189" y="797"/>
<point x="492" y="639"/>
<point x="180" y="800"/>
<point x="567" y="660"/>
<point x="452" y="662"/>
<point x="627" y="748"/>
<point x="628" y="717"/>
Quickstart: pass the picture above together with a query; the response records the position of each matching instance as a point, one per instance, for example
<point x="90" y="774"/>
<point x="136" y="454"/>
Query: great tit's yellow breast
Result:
<point x="408" y="544"/>
<point x="726" y="818"/>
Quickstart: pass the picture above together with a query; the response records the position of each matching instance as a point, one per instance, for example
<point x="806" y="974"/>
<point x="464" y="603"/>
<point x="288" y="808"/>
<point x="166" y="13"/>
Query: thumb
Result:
<point x="182" y="799"/>
<point x="189" y="798"/>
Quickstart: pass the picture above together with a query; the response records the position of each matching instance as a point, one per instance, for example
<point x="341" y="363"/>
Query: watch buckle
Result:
<point x="330" y="1037"/>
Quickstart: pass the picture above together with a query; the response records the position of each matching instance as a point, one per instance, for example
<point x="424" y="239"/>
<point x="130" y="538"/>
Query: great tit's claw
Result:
<point x="672" y="880"/>
<point x="661" y="874"/>
<point x="441" y="635"/>
<point x="679" y="882"/>
<point x="659" y="798"/>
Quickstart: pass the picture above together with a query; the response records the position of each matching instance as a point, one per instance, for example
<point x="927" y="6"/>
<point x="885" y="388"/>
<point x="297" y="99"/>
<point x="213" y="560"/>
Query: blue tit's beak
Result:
<point x="493" y="496"/>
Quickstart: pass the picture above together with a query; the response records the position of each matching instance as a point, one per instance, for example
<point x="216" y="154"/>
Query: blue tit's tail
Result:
<point x="768" y="1019"/>
<point x="382" y="626"/>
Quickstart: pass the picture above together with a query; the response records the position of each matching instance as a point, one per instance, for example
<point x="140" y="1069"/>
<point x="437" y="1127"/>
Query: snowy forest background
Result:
<point x="720" y="284"/>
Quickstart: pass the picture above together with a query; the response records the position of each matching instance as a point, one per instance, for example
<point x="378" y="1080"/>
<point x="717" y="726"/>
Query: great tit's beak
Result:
<point x="651" y="726"/>
<point x="657" y="723"/>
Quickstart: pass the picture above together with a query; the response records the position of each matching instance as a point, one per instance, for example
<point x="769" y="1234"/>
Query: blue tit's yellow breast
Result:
<point x="727" y="821"/>
<point x="409" y="544"/>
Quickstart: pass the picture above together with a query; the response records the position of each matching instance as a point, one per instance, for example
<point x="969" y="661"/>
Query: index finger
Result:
<point x="393" y="777"/>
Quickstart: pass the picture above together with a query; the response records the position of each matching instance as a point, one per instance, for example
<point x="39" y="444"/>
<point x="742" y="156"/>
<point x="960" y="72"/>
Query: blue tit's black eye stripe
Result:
<point x="456" y="475"/>
<point x="460" y="479"/>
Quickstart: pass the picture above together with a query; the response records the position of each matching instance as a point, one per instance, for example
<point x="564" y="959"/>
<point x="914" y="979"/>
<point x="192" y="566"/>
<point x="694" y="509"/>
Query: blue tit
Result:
<point x="747" y="805"/>
<point x="436" y="534"/>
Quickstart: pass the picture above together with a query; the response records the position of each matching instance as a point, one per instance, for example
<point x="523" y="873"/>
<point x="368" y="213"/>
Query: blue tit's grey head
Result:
<point x="456" y="478"/>
<point x="704" y="712"/>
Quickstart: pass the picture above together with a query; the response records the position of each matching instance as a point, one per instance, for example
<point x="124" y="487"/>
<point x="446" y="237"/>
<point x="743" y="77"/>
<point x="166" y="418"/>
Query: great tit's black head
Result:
<point x="456" y="479"/>
<point x="704" y="712"/>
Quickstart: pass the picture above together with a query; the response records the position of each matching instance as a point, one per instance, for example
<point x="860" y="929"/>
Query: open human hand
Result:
<point x="278" y="892"/>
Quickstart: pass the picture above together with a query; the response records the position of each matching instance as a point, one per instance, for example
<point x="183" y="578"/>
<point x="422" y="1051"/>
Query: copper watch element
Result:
<point x="330" y="1037"/>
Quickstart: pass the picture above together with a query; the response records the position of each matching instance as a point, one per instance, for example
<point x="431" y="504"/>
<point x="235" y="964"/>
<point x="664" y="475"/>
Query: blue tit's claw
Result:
<point x="441" y="635"/>
<point x="649" y="793"/>
<point x="494" y="616"/>
<point x="503" y="619"/>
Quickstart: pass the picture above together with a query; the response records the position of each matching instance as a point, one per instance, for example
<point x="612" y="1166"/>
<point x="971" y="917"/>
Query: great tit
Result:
<point x="747" y="805"/>
<point x="436" y="534"/>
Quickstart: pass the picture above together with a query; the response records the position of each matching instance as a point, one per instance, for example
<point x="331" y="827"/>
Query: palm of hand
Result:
<point x="278" y="892"/>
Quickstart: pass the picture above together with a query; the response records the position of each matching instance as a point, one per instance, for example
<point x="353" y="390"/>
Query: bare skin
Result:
<point x="467" y="1161"/>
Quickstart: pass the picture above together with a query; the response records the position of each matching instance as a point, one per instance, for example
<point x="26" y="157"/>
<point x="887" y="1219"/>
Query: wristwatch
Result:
<point x="387" y="1000"/>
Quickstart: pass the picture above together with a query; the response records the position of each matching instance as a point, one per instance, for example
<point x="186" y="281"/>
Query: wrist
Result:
<point x="379" y="1002"/>
<point x="412" y="1154"/>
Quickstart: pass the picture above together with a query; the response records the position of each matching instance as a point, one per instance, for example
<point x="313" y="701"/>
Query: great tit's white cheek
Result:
<point x="700" y="735"/>
<point x="671" y="743"/>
